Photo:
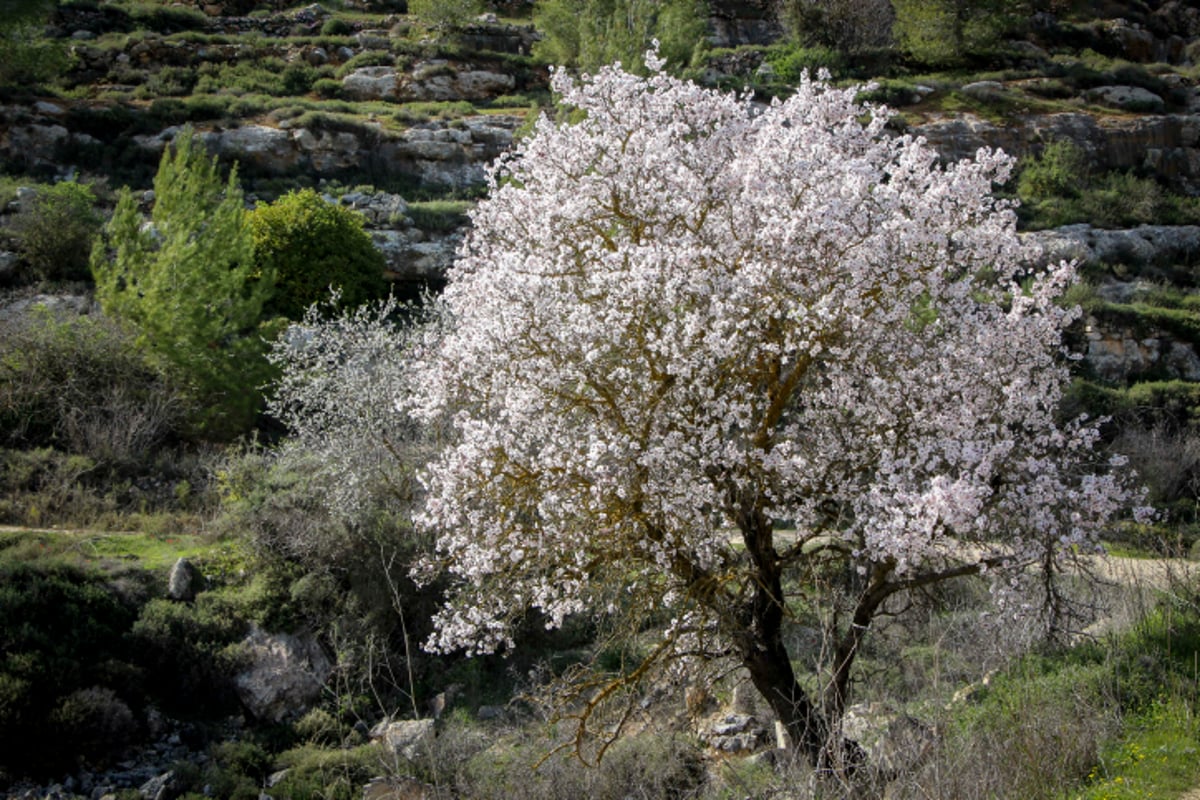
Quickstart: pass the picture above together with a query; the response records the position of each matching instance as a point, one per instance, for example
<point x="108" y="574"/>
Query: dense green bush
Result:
<point x="335" y="26"/>
<point x="188" y="653"/>
<point x="945" y="32"/>
<point x="55" y="231"/>
<point x="789" y="63"/>
<point x="62" y="631"/>
<point x="311" y="246"/>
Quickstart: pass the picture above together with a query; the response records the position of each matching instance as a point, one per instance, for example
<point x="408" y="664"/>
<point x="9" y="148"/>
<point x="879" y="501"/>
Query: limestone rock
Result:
<point x="734" y="733"/>
<point x="1145" y="244"/>
<point x="370" y="83"/>
<point x="407" y="738"/>
<point x="161" y="787"/>
<point x="1128" y="98"/>
<point x="285" y="675"/>
<point x="183" y="581"/>
<point x="983" y="90"/>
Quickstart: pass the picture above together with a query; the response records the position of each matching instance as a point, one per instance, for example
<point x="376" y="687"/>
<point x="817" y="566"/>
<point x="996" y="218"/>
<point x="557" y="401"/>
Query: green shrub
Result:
<point x="61" y="632"/>
<point x="445" y="15"/>
<point x="95" y="722"/>
<point x="441" y="216"/>
<point x="945" y="32"/>
<point x="328" y="88"/>
<point x="1061" y="169"/>
<point x="298" y="79"/>
<point x="55" y="231"/>
<point x="166" y="18"/>
<point x="368" y="58"/>
<point x="310" y="245"/>
<point x="336" y="26"/>
<point x="188" y="654"/>
<point x="789" y="63"/>
<point x="29" y="57"/>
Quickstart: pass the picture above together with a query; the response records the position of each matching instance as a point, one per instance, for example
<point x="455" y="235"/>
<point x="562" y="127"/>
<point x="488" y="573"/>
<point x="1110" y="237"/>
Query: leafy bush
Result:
<point x="946" y="32"/>
<point x="1058" y="187"/>
<point x="1059" y="171"/>
<point x="29" y="58"/>
<point x="789" y="63"/>
<point x="55" y="231"/>
<point x="187" y="653"/>
<point x="336" y="26"/>
<point x="845" y="25"/>
<point x="367" y="58"/>
<point x="441" y="216"/>
<point x="95" y="722"/>
<point x="310" y="245"/>
<point x="327" y="87"/>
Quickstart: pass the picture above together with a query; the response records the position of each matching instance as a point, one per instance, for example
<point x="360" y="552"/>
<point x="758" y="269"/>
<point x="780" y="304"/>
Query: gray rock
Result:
<point x="285" y="675"/>
<point x="371" y="83"/>
<point x="9" y="264"/>
<point x="409" y="738"/>
<point x="983" y="90"/>
<point x="1128" y="98"/>
<point x="184" y="581"/>
<point x="1143" y="245"/>
<point x="161" y="787"/>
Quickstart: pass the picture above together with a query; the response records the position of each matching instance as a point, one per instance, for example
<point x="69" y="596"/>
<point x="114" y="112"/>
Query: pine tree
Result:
<point x="186" y="281"/>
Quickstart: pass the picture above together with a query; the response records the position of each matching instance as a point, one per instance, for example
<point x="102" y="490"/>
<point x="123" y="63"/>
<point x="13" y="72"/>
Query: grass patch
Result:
<point x="440" y="216"/>
<point x="1158" y="757"/>
<point x="95" y="548"/>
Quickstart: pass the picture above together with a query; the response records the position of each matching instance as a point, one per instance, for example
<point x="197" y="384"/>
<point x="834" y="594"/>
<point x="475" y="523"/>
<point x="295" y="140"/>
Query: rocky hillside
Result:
<point x="400" y="121"/>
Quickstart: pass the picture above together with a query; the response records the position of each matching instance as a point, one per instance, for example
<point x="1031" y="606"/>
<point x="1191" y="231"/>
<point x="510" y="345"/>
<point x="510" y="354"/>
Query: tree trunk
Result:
<point x="762" y="652"/>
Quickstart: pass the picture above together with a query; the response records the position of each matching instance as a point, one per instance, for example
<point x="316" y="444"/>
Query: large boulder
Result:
<point x="184" y="581"/>
<point x="285" y="674"/>
<point x="371" y="83"/>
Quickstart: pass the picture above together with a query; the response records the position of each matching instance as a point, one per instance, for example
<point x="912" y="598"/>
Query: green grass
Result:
<point x="94" y="548"/>
<point x="439" y="215"/>
<point x="1159" y="757"/>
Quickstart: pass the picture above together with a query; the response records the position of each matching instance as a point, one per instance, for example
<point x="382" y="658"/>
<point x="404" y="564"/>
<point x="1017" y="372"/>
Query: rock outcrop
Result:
<point x="284" y="676"/>
<point x="1167" y="145"/>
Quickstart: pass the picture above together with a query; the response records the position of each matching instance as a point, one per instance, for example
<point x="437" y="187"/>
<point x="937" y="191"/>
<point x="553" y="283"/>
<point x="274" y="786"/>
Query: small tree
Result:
<point x="589" y="33"/>
<point x="186" y="281"/>
<point x="685" y="324"/>
<point x="310" y="245"/>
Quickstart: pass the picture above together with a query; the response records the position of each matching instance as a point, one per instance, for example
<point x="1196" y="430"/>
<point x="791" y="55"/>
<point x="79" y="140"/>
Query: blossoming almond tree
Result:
<point x="686" y="322"/>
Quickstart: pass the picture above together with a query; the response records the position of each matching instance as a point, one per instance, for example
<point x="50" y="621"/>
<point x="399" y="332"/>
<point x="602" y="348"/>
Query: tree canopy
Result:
<point x="687" y="322"/>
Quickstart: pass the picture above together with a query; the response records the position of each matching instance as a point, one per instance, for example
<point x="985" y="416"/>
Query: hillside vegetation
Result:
<point x="184" y="183"/>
